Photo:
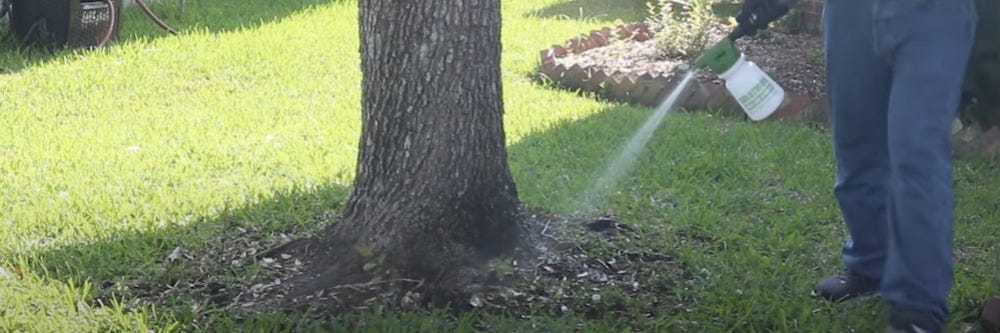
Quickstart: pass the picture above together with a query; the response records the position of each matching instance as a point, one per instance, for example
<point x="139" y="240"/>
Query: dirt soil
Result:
<point x="597" y="267"/>
<point x="795" y="61"/>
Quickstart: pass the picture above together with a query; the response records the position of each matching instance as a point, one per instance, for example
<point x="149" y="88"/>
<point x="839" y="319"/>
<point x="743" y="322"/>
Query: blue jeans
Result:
<point x="894" y="77"/>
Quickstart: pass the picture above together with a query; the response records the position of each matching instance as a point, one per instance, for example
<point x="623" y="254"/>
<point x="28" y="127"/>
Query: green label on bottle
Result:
<point x="757" y="95"/>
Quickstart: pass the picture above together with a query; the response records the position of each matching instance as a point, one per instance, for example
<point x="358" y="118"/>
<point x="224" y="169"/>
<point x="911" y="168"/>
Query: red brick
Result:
<point x="811" y="13"/>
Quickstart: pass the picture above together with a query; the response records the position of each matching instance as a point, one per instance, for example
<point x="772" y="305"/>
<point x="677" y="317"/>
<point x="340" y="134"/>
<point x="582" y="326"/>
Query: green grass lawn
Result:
<point x="244" y="129"/>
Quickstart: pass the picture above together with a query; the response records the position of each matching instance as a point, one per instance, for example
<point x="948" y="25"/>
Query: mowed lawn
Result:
<point x="132" y="168"/>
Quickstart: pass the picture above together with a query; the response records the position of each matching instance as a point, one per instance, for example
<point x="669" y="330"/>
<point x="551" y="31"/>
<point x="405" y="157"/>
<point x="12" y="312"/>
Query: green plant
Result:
<point x="794" y="22"/>
<point x="683" y="29"/>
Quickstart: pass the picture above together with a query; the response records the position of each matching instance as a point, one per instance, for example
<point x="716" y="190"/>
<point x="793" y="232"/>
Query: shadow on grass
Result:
<point x="610" y="11"/>
<point x="183" y="268"/>
<point x="216" y="16"/>
<point x="596" y="10"/>
<point x="154" y="261"/>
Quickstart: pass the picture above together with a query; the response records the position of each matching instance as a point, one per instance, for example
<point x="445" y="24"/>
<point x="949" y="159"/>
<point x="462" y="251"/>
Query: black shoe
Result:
<point x="845" y="285"/>
<point x="912" y="322"/>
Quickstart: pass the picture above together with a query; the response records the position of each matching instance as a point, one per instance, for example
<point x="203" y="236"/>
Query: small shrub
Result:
<point x="683" y="29"/>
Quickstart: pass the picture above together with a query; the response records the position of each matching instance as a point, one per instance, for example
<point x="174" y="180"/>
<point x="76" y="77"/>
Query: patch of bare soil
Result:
<point x="231" y="272"/>
<point x="794" y="60"/>
<point x="598" y="267"/>
<point x="624" y="57"/>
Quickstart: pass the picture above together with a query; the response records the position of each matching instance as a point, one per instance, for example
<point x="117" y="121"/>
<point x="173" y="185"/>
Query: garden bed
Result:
<point x="623" y="64"/>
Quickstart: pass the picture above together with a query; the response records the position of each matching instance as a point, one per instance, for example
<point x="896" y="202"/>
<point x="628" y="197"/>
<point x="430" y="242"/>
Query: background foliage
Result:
<point x="982" y="101"/>
<point x="684" y="28"/>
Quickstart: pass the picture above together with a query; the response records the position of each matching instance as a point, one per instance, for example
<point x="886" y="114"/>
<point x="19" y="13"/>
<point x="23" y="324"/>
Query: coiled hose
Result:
<point x="113" y="14"/>
<point x="113" y="17"/>
<point x="152" y="16"/>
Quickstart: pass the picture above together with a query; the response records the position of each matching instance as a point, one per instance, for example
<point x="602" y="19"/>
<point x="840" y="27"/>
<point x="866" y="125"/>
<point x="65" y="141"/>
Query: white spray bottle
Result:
<point x="757" y="93"/>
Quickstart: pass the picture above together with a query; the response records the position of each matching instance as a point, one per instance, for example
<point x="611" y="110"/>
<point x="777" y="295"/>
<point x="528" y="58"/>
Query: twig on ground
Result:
<point x="546" y="228"/>
<point x="273" y="249"/>
<point x="359" y="286"/>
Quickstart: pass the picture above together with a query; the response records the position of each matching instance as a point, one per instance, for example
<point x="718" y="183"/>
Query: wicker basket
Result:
<point x="89" y="22"/>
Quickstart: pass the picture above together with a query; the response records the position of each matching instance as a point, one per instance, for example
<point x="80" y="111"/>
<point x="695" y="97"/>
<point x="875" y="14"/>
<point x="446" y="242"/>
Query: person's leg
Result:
<point x="929" y="63"/>
<point x="858" y="83"/>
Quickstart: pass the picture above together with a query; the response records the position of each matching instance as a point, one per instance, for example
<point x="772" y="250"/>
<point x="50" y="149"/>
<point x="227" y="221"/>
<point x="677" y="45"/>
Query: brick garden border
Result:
<point x="648" y="89"/>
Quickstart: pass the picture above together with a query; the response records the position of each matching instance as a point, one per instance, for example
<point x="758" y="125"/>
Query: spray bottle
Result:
<point x="757" y="93"/>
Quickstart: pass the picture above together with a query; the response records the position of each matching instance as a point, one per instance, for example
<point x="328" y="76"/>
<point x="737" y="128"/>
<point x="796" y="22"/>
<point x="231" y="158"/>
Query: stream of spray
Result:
<point x="594" y="197"/>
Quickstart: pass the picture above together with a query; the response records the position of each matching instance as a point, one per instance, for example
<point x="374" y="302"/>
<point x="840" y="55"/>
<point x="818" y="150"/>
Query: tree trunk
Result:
<point x="433" y="191"/>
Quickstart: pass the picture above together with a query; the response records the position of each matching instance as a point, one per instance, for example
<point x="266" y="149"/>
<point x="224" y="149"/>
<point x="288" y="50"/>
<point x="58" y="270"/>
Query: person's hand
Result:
<point x="757" y="14"/>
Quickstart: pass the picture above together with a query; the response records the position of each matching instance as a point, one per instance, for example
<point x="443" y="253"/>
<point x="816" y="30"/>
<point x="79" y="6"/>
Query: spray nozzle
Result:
<point x="719" y="57"/>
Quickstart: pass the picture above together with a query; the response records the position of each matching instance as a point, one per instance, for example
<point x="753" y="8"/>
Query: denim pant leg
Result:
<point x="858" y="88"/>
<point x="928" y="42"/>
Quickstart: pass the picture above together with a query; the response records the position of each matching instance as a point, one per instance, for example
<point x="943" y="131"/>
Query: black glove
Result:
<point x="756" y="15"/>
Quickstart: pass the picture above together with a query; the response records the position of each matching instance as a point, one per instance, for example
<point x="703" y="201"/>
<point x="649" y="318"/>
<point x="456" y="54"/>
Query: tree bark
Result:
<point x="433" y="190"/>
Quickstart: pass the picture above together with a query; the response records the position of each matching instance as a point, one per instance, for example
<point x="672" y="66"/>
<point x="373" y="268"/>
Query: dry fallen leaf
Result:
<point x="476" y="301"/>
<point x="176" y="254"/>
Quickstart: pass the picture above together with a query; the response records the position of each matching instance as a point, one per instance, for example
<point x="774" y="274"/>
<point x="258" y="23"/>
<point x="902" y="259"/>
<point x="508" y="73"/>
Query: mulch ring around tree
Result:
<point x="596" y="267"/>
